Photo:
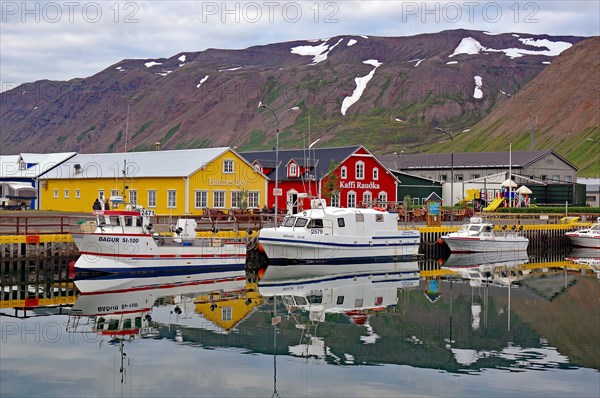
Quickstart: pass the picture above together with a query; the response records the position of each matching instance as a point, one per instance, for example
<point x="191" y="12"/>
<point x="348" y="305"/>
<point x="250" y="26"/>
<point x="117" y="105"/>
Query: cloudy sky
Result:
<point x="61" y="40"/>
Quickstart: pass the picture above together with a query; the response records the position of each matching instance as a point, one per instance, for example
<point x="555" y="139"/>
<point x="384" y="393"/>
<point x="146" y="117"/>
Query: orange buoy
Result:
<point x="379" y="208"/>
<point x="440" y="241"/>
<point x="261" y="272"/>
<point x="261" y="248"/>
<point x="440" y="261"/>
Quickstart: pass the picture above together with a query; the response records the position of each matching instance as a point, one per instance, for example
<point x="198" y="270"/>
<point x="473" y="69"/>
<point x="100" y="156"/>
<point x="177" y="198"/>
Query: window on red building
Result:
<point x="351" y="199"/>
<point x="360" y="170"/>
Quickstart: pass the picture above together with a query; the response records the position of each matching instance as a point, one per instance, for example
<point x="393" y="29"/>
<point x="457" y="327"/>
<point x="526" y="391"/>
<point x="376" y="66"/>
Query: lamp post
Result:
<point x="449" y="134"/>
<point x="276" y="190"/>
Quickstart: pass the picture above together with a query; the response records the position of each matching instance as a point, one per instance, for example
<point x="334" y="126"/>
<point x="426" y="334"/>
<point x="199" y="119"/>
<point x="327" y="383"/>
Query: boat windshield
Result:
<point x="474" y="228"/>
<point x="300" y="300"/>
<point x="289" y="221"/>
<point x="595" y="228"/>
<point x="463" y="228"/>
<point x="301" y="222"/>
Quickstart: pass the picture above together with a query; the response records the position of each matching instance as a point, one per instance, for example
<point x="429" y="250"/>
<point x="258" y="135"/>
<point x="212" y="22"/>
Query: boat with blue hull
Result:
<point x="332" y="236"/>
<point x="124" y="241"/>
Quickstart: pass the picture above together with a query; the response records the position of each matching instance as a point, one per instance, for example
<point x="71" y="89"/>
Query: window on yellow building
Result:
<point x="66" y="194"/>
<point x="236" y="198"/>
<point x="133" y="197"/>
<point x="151" y="198"/>
<point x="56" y="193"/>
<point x="254" y="199"/>
<point x="77" y="193"/>
<point x="218" y="198"/>
<point x="171" y="199"/>
<point x="227" y="313"/>
<point x="228" y="166"/>
<point x="201" y="199"/>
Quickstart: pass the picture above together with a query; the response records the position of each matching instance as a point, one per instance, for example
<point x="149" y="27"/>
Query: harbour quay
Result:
<point x="34" y="234"/>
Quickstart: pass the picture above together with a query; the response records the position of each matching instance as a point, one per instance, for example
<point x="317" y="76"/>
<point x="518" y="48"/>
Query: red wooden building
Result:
<point x="343" y="176"/>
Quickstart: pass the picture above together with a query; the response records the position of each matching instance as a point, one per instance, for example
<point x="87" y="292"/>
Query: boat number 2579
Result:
<point x="316" y="231"/>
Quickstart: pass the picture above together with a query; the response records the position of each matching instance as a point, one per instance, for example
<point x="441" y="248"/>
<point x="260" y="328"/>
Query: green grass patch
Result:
<point x="170" y="134"/>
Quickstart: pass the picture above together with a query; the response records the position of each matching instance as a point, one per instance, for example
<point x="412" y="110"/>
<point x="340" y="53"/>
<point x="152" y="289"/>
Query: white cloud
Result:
<point x="78" y="44"/>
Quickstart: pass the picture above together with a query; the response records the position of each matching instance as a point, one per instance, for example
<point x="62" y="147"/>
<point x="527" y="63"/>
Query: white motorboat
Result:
<point x="479" y="236"/>
<point x="125" y="241"/>
<point x="331" y="236"/>
<point x="586" y="237"/>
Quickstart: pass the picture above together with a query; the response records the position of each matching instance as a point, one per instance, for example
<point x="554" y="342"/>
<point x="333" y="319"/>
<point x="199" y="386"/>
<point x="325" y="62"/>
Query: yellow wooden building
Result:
<point x="168" y="182"/>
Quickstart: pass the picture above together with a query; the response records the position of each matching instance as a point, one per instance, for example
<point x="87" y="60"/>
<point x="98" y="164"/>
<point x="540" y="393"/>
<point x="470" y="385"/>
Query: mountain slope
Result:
<point x="559" y="109"/>
<point x="382" y="92"/>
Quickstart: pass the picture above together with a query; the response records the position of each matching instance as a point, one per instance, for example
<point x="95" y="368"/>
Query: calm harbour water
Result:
<point x="447" y="337"/>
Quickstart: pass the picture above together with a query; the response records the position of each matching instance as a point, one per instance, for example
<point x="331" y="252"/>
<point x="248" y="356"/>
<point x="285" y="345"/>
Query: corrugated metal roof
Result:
<point x="319" y="157"/>
<point x="175" y="163"/>
<point x="37" y="164"/>
<point x="465" y="160"/>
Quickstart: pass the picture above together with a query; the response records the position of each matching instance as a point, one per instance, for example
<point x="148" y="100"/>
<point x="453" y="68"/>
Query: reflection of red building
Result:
<point x="360" y="179"/>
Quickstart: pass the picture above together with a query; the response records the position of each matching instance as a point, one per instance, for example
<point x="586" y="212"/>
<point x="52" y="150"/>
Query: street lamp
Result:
<point x="449" y="134"/>
<point x="276" y="191"/>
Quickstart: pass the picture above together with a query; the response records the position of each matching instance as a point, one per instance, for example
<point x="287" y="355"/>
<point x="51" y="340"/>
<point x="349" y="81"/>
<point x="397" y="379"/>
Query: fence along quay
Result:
<point x="47" y="236"/>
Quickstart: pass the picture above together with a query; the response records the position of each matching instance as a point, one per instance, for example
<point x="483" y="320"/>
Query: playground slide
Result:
<point x="494" y="204"/>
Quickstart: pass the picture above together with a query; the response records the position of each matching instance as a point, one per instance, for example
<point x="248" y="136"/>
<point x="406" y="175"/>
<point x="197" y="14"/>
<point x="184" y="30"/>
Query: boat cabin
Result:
<point x="124" y="221"/>
<point x="323" y="220"/>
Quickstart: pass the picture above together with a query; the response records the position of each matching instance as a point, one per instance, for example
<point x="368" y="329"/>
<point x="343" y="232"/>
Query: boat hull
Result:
<point x="301" y="249"/>
<point x="592" y="241"/>
<point x="115" y="253"/>
<point x="481" y="245"/>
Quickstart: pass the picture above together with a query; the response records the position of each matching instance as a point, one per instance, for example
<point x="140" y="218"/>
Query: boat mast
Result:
<point x="125" y="159"/>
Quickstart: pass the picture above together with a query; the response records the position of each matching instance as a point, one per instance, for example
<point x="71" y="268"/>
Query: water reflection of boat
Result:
<point x="586" y="256"/>
<point x="125" y="241"/>
<point x="121" y="305"/>
<point x="350" y="290"/>
<point x="476" y="259"/>
<point x="482" y="268"/>
<point x="586" y="237"/>
<point x="479" y="236"/>
<point x="333" y="236"/>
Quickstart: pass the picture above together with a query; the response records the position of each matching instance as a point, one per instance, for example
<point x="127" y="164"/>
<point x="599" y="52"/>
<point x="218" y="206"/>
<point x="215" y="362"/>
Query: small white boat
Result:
<point x="332" y="236"/>
<point x="586" y="237"/>
<point x="125" y="241"/>
<point x="479" y="236"/>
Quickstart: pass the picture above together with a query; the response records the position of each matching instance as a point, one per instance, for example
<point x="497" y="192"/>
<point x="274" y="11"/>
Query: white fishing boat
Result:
<point x="347" y="289"/>
<point x="586" y="237"/>
<point x="332" y="236"/>
<point x="479" y="236"/>
<point x="125" y="241"/>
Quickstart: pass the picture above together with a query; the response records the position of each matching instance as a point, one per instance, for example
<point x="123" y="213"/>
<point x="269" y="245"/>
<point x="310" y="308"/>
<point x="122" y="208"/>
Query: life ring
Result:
<point x="379" y="208"/>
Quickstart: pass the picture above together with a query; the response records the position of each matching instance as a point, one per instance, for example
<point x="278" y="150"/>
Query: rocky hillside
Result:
<point x="559" y="109"/>
<point x="384" y="92"/>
